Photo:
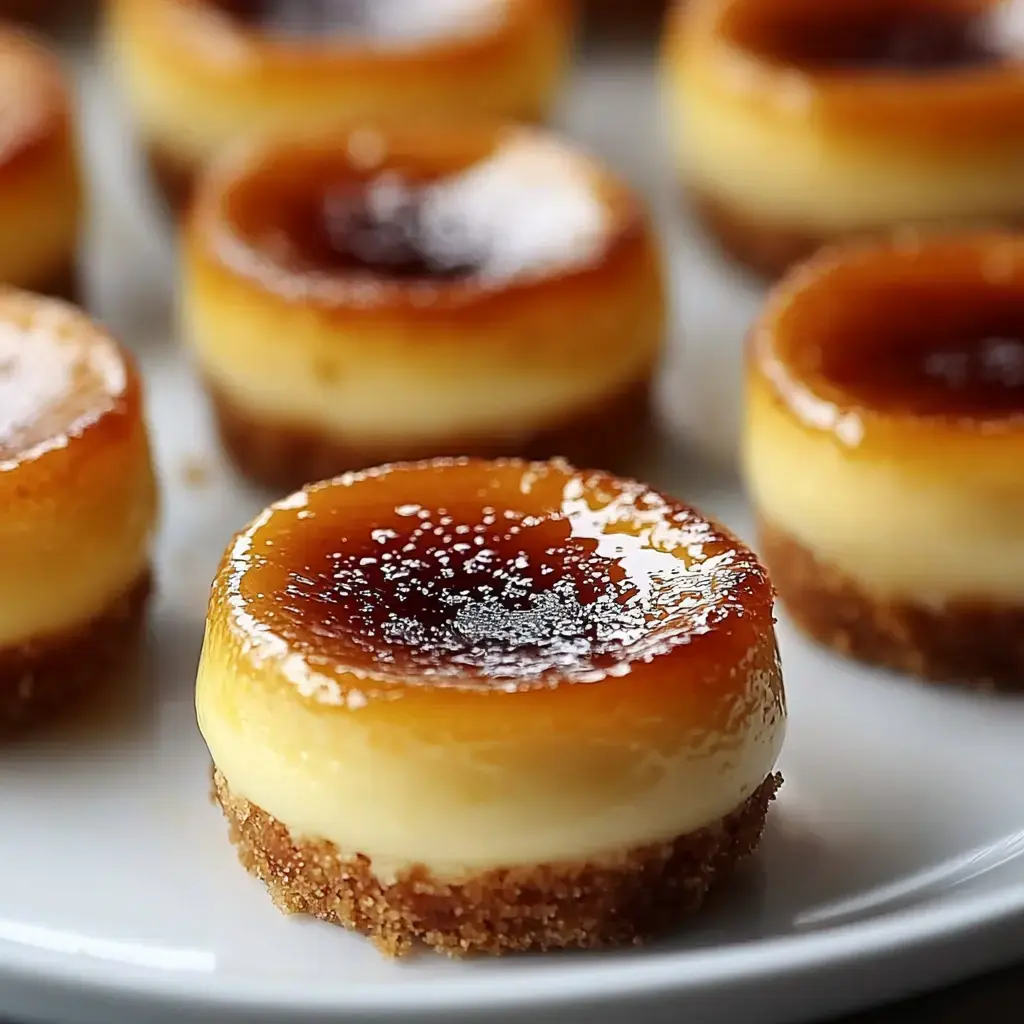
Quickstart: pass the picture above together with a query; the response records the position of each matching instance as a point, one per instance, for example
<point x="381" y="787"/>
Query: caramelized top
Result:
<point x="380" y="22"/>
<point x="912" y="70"/>
<point x="59" y="376"/>
<point x="920" y="36"/>
<point x="932" y="332"/>
<point x="477" y="575"/>
<point x="363" y="217"/>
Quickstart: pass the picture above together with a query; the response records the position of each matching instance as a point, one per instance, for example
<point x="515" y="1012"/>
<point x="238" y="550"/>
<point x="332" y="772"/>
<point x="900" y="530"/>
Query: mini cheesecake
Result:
<point x="200" y="73"/>
<point x="800" y="122"/>
<point x="40" y="182"/>
<point x="391" y="295"/>
<point x="884" y="448"/>
<point x="490" y="706"/>
<point x="77" y="507"/>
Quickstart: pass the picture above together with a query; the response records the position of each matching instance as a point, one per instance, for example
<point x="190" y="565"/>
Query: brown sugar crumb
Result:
<point x="39" y="679"/>
<point x="583" y="905"/>
<point x="971" y="644"/>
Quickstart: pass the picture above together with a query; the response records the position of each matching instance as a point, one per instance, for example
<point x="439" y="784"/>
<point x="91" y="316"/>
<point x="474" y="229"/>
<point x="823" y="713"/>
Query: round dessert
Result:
<point x="199" y="73"/>
<point x="800" y="122"/>
<point x="490" y="706"/>
<point x="40" y="188"/>
<point x="77" y="507"/>
<point x="395" y="295"/>
<point x="884" y="446"/>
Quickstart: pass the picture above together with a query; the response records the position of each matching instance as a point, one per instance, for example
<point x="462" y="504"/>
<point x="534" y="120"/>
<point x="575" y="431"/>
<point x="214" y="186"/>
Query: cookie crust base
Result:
<point x="41" y="678"/>
<point x="620" y="901"/>
<point x="970" y="644"/>
<point x="282" y="456"/>
<point x="768" y="250"/>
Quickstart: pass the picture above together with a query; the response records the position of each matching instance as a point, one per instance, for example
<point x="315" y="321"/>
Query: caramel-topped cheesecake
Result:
<point x="800" y="122"/>
<point x="77" y="507"/>
<point x="40" y="183"/>
<point x="884" y="448"/>
<point x="385" y="295"/>
<point x="200" y="73"/>
<point x="490" y="706"/>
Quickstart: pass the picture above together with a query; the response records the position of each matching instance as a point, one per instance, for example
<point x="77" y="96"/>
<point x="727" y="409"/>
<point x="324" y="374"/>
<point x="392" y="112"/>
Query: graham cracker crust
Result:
<point x="283" y="456"/>
<point x="41" y="678"/>
<point x="624" y="901"/>
<point x="970" y="644"/>
<point x="766" y="249"/>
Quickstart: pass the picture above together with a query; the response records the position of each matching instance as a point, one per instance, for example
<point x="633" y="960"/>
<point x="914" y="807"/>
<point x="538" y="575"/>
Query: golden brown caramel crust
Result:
<point x="284" y="457"/>
<point x="846" y="301"/>
<point x="632" y="897"/>
<point x="968" y="643"/>
<point x="41" y="678"/>
<point x="747" y="48"/>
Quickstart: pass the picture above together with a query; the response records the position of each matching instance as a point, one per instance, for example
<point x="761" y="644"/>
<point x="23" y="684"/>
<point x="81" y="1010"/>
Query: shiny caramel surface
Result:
<point x="487" y="576"/>
<point x="917" y="72"/>
<point x="902" y="341"/>
<point x="59" y="378"/>
<point x="918" y="37"/>
<point x="360" y="218"/>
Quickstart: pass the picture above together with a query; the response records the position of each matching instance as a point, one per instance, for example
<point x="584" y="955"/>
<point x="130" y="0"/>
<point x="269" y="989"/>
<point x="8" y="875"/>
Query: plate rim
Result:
<point x="907" y="932"/>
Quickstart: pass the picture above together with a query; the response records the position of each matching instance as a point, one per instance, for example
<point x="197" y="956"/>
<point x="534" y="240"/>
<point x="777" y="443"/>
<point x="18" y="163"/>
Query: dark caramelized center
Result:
<point x="385" y="228"/>
<point x="496" y="595"/>
<point x="956" y="354"/>
<point x="896" y="36"/>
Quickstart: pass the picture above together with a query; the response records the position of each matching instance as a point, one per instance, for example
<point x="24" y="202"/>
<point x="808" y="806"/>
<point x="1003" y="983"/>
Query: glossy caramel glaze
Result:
<point x="356" y="222"/>
<point x="917" y="37"/>
<point x="58" y="383"/>
<point x="902" y="343"/>
<point x="916" y="68"/>
<point x="500" y="576"/>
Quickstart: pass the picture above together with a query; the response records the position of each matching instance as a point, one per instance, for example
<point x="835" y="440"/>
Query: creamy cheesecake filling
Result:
<point x="926" y="539"/>
<point x="815" y="176"/>
<point x="810" y="178"/>
<point x="78" y="492"/>
<point x="194" y="86"/>
<point x="458" y="808"/>
<point x="950" y="354"/>
<point x="472" y="607"/>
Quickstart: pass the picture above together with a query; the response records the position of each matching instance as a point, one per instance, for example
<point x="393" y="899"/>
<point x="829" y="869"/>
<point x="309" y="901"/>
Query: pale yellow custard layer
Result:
<point x="77" y="492"/>
<point x="401" y="799"/>
<point x="457" y="807"/>
<point x="899" y="530"/>
<point x="569" y="313"/>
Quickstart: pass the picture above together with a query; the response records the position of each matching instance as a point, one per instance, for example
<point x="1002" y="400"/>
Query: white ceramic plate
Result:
<point x="892" y="860"/>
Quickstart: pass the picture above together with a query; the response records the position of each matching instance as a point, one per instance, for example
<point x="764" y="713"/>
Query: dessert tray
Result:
<point x="894" y="859"/>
